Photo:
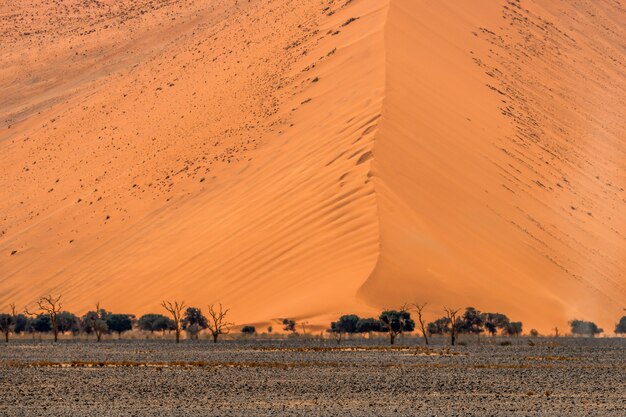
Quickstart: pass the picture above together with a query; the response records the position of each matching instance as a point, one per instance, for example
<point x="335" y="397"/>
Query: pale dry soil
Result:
<point x="310" y="377"/>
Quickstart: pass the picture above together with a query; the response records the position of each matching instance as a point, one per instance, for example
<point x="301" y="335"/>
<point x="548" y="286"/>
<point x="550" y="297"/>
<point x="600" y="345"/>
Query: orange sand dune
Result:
<point x="307" y="159"/>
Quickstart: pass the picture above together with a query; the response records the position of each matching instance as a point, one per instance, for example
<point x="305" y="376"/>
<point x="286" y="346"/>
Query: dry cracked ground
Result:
<point x="311" y="377"/>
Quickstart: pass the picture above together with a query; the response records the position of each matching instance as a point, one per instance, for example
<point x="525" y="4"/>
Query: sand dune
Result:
<point x="306" y="159"/>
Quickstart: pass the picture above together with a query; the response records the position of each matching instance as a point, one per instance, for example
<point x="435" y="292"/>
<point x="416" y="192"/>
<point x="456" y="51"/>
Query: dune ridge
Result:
<point x="304" y="159"/>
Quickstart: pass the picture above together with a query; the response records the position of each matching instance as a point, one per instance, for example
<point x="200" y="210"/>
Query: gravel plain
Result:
<point x="545" y="376"/>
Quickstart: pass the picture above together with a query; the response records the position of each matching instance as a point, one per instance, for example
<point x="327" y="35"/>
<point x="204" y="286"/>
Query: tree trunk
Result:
<point x="425" y="335"/>
<point x="215" y="335"/>
<point x="392" y="338"/>
<point x="452" y="338"/>
<point x="177" y="336"/>
<point x="55" y="329"/>
<point x="6" y="337"/>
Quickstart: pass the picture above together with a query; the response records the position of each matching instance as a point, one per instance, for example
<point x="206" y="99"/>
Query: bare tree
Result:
<point x="451" y="314"/>
<point x="419" y="309"/>
<point x="176" y="310"/>
<point x="217" y="321"/>
<point x="7" y="322"/>
<point x="51" y="306"/>
<point x="304" y="324"/>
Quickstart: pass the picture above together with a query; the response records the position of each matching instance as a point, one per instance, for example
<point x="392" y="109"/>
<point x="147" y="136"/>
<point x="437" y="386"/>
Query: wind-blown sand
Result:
<point x="307" y="159"/>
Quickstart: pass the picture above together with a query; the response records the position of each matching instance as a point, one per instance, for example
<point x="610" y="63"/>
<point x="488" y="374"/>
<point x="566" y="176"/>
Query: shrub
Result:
<point x="396" y="322"/>
<point x="119" y="323"/>
<point x="346" y="324"/>
<point x="155" y="323"/>
<point x="67" y="322"/>
<point x="584" y="328"/>
<point x="248" y="330"/>
<point x="22" y="324"/>
<point x="514" y="328"/>
<point x="194" y="321"/>
<point x="7" y="324"/>
<point x="369" y="325"/>
<point x="494" y="322"/>
<point x="289" y="325"/>
<point x="620" y="328"/>
<point x="471" y="322"/>
<point x="439" y="326"/>
<point x="95" y="322"/>
<point x="42" y="324"/>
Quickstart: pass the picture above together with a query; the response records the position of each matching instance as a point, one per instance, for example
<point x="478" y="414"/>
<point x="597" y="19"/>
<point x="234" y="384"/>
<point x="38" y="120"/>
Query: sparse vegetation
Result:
<point x="51" y="319"/>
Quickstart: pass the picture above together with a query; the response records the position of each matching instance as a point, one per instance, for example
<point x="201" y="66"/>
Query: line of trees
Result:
<point x="49" y="317"/>
<point x="452" y="323"/>
<point x="397" y="322"/>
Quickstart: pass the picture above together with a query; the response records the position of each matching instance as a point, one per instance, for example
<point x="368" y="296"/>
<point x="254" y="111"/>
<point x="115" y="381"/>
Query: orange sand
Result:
<point x="288" y="161"/>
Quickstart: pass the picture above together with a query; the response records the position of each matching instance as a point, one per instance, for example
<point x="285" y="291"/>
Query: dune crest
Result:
<point x="305" y="159"/>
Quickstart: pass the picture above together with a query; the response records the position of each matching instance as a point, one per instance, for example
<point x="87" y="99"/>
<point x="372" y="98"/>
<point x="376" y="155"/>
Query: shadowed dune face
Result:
<point x="307" y="159"/>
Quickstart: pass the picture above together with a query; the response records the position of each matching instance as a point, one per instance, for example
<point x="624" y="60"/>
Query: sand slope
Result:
<point x="306" y="159"/>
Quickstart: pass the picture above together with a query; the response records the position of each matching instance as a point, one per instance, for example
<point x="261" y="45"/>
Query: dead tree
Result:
<point x="176" y="310"/>
<point x="451" y="314"/>
<point x="419" y="309"/>
<point x="7" y="322"/>
<point x="51" y="306"/>
<point x="217" y="321"/>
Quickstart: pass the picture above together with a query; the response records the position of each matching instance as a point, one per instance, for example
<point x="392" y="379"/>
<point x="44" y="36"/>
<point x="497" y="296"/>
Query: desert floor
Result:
<point x="310" y="377"/>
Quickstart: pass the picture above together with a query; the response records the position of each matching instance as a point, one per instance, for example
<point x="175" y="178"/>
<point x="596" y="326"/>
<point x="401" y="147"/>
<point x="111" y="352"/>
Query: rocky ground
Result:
<point x="297" y="377"/>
